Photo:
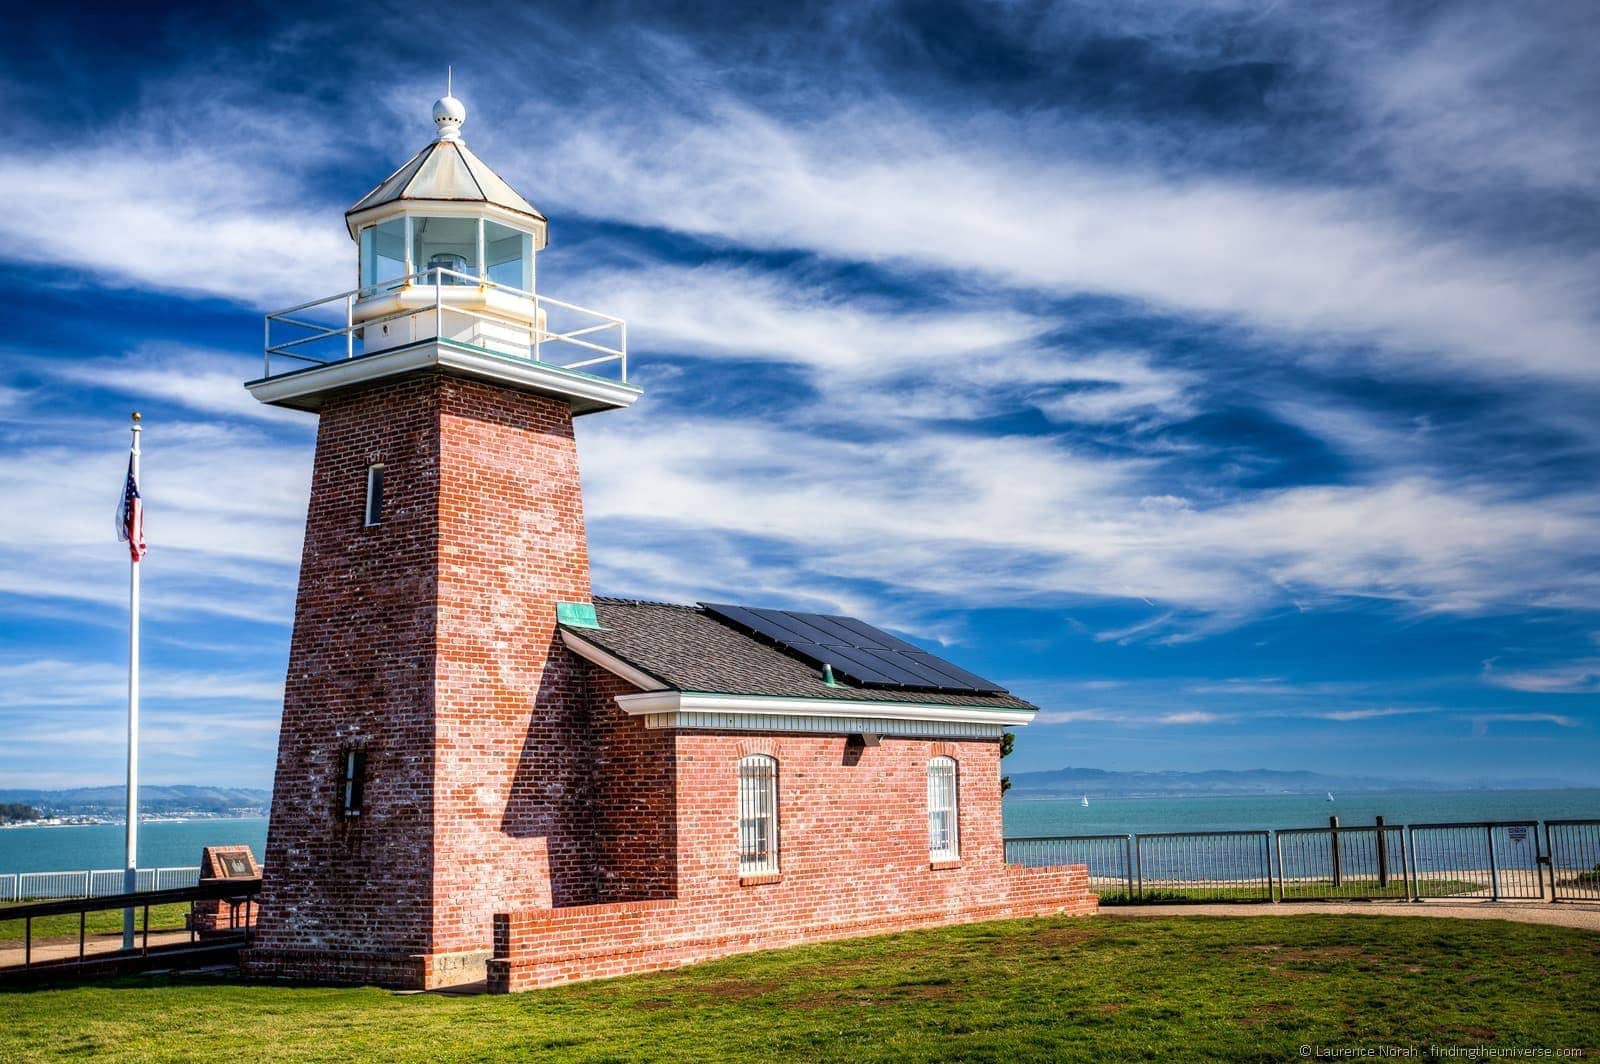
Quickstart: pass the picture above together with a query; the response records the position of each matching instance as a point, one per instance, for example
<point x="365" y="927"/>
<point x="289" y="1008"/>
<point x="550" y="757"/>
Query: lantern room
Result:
<point x="445" y="210"/>
<point x="445" y="275"/>
<point x="446" y="221"/>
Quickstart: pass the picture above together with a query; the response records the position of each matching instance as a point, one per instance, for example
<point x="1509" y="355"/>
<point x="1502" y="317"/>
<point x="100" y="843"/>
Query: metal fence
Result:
<point x="1108" y="857"/>
<point x="1481" y="860"/>
<point x="1574" y="848"/>
<point x="1332" y="863"/>
<point x="91" y="883"/>
<point x="1203" y="866"/>
<point x="1491" y="860"/>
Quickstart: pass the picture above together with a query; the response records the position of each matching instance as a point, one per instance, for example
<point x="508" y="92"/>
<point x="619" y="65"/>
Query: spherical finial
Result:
<point x="137" y="417"/>
<point x="448" y="114"/>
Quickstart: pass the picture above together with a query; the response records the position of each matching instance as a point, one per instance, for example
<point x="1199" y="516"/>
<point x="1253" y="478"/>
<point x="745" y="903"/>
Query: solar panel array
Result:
<point x="857" y="651"/>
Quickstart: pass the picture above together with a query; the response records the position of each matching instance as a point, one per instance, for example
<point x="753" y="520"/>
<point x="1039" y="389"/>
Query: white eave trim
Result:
<point x="611" y="663"/>
<point x="654" y="702"/>
<point x="298" y="387"/>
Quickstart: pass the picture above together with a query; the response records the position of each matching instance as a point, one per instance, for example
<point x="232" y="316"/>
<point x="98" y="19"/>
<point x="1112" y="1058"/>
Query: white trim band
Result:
<point x="610" y="662"/>
<point x="647" y="702"/>
<point x="305" y="388"/>
<point x="800" y="722"/>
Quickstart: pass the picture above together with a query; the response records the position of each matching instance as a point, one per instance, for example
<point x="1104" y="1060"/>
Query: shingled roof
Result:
<point x="689" y="649"/>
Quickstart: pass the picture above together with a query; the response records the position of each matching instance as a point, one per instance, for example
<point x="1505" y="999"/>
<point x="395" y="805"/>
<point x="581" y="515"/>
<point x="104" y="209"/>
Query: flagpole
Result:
<point x="130" y="874"/>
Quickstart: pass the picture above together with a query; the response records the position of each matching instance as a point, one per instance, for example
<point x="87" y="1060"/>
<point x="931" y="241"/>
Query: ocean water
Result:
<point x="1108" y="816"/>
<point x="175" y="845"/>
<point x="94" y="846"/>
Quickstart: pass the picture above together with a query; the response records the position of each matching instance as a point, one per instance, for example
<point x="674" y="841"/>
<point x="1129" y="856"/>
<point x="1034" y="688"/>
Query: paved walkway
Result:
<point x="1586" y="916"/>
<point x="98" y="945"/>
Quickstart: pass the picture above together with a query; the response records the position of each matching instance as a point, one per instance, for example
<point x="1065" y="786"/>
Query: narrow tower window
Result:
<point x="353" y="782"/>
<point x="374" y="495"/>
<point x="943" y="844"/>
<point x="758" y="815"/>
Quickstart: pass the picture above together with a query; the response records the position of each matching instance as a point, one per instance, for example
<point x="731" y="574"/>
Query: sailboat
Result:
<point x="1086" y="801"/>
<point x="1330" y="796"/>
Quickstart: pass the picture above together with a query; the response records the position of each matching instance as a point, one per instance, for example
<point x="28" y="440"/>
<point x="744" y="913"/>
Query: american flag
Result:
<point x="130" y="516"/>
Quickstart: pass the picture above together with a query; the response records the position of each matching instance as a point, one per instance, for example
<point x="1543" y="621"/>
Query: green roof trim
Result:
<point x="577" y="615"/>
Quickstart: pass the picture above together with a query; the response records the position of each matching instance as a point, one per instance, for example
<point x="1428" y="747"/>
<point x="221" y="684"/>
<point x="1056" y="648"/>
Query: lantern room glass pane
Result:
<point x="448" y="243"/>
<point x="510" y="255"/>
<point x="383" y="254"/>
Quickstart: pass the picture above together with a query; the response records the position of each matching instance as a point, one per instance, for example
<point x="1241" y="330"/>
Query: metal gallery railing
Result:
<point x="1465" y="861"/>
<point x="560" y="334"/>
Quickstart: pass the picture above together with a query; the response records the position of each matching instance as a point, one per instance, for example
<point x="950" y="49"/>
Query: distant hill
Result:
<point x="161" y="801"/>
<point x="1071" y="782"/>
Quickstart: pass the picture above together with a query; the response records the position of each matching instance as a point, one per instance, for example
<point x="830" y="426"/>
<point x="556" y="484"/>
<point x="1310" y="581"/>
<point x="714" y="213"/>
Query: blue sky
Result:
<point x="1221" y="377"/>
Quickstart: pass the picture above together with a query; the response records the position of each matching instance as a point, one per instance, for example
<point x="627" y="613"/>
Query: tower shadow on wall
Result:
<point x="551" y="794"/>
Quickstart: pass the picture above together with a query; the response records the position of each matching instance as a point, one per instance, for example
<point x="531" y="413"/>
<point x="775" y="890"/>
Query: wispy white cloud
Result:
<point x="52" y="683"/>
<point x="927" y="513"/>
<point x="1193" y="716"/>
<point x="1568" y="677"/>
<point x="1482" y="721"/>
<point x="875" y="183"/>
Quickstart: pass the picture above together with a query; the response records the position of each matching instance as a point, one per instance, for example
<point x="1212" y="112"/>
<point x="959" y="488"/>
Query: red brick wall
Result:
<point x="853" y="855"/>
<point x="511" y="816"/>
<point x="635" y="788"/>
<point x="360" y="673"/>
<point x="427" y="639"/>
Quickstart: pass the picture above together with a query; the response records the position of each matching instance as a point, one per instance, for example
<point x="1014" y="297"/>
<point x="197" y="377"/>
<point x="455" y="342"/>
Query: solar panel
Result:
<point x="857" y="651"/>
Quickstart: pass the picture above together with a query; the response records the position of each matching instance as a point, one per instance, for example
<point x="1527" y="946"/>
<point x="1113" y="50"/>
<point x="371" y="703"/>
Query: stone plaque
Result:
<point x="229" y="862"/>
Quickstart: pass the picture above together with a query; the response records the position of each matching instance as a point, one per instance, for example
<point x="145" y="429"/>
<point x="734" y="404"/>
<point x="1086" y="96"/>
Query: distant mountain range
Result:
<point x="111" y="802"/>
<point x="1072" y="782"/>
<point x="108" y="802"/>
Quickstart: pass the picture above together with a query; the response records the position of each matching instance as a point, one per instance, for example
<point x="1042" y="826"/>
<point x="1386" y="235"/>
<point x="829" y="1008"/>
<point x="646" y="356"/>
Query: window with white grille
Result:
<point x="758" y="815"/>
<point x="943" y="844"/>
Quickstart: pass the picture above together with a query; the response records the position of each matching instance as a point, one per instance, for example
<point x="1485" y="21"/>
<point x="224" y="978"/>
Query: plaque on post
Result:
<point x="224" y="916"/>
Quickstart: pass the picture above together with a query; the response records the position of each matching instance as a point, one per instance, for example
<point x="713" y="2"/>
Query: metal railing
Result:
<point x="1574" y="854"/>
<point x="1109" y="858"/>
<point x="325" y="330"/>
<point x="239" y="895"/>
<point x="89" y="883"/>
<point x="1341" y="863"/>
<point x="1487" y="859"/>
<point x="1203" y="866"/>
<point x="1477" y="860"/>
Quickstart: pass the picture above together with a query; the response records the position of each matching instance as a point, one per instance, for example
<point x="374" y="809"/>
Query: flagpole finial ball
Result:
<point x="138" y="416"/>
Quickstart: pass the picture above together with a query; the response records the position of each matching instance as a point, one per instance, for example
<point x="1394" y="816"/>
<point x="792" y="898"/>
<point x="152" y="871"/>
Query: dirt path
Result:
<point x="63" y="948"/>
<point x="1567" y="915"/>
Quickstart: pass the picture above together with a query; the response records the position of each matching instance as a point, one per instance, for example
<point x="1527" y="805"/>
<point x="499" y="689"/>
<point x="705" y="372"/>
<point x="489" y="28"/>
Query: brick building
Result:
<point x="486" y="772"/>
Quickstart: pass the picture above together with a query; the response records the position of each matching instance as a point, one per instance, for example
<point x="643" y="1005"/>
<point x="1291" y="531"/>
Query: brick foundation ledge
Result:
<point x="548" y="947"/>
<point x="395" y="971"/>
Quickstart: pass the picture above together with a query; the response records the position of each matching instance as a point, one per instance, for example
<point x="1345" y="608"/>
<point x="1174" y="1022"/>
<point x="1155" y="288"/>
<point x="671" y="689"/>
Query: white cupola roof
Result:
<point x="446" y="171"/>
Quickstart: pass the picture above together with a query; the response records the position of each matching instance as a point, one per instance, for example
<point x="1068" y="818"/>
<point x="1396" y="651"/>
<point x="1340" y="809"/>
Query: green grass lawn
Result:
<point x="162" y="918"/>
<point x="1192" y="988"/>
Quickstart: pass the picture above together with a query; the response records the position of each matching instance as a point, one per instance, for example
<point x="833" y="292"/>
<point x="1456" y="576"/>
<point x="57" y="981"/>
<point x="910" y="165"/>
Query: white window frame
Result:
<point x="372" y="512"/>
<point x="944" y="809"/>
<point x="758" y="815"/>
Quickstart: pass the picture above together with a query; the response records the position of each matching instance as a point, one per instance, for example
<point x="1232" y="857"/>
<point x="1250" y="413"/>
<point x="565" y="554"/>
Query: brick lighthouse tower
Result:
<point x="427" y="770"/>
